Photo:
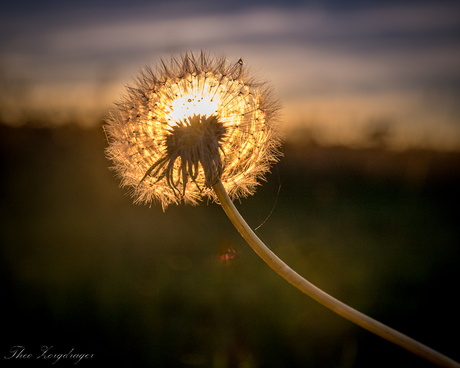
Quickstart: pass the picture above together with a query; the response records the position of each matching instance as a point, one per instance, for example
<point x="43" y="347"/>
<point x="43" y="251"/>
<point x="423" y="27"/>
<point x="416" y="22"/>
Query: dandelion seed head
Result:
<point x="187" y="124"/>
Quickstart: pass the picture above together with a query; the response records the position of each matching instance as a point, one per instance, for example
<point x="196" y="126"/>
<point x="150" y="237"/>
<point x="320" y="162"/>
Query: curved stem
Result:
<point x="320" y="296"/>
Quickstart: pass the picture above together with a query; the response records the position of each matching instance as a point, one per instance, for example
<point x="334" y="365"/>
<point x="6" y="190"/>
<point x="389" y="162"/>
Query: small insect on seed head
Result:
<point x="190" y="123"/>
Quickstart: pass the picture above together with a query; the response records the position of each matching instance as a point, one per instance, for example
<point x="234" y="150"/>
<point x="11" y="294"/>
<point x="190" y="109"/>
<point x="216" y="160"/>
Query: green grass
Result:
<point x="83" y="267"/>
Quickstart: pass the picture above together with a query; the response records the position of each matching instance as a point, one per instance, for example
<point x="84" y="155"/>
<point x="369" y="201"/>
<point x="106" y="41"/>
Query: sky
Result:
<point x="344" y="71"/>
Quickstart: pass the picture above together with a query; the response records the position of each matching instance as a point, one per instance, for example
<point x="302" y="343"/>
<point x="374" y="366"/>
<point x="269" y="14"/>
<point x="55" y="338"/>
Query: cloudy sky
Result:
<point x="343" y="70"/>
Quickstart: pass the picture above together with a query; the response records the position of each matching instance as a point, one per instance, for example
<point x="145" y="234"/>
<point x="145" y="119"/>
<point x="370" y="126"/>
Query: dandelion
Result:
<point x="190" y="123"/>
<point x="204" y="128"/>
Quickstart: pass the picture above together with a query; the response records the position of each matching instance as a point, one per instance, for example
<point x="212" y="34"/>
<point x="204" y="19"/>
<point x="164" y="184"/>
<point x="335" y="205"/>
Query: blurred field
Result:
<point x="84" y="268"/>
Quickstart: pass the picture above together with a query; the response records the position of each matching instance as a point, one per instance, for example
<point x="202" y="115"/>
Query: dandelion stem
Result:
<point x="320" y="296"/>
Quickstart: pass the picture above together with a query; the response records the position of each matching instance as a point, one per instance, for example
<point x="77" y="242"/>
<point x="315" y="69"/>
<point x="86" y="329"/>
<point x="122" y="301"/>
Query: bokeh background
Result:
<point x="362" y="204"/>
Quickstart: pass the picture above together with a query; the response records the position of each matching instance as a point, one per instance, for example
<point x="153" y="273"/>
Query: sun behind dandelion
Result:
<point x="202" y="127"/>
<point x="186" y="125"/>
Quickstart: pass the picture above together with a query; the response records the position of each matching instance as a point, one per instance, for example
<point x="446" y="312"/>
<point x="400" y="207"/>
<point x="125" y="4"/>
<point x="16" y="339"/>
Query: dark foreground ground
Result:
<point x="84" y="271"/>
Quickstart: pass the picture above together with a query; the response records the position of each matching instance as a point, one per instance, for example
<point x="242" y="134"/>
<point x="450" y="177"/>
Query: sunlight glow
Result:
<point x="192" y="103"/>
<point x="206" y="95"/>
